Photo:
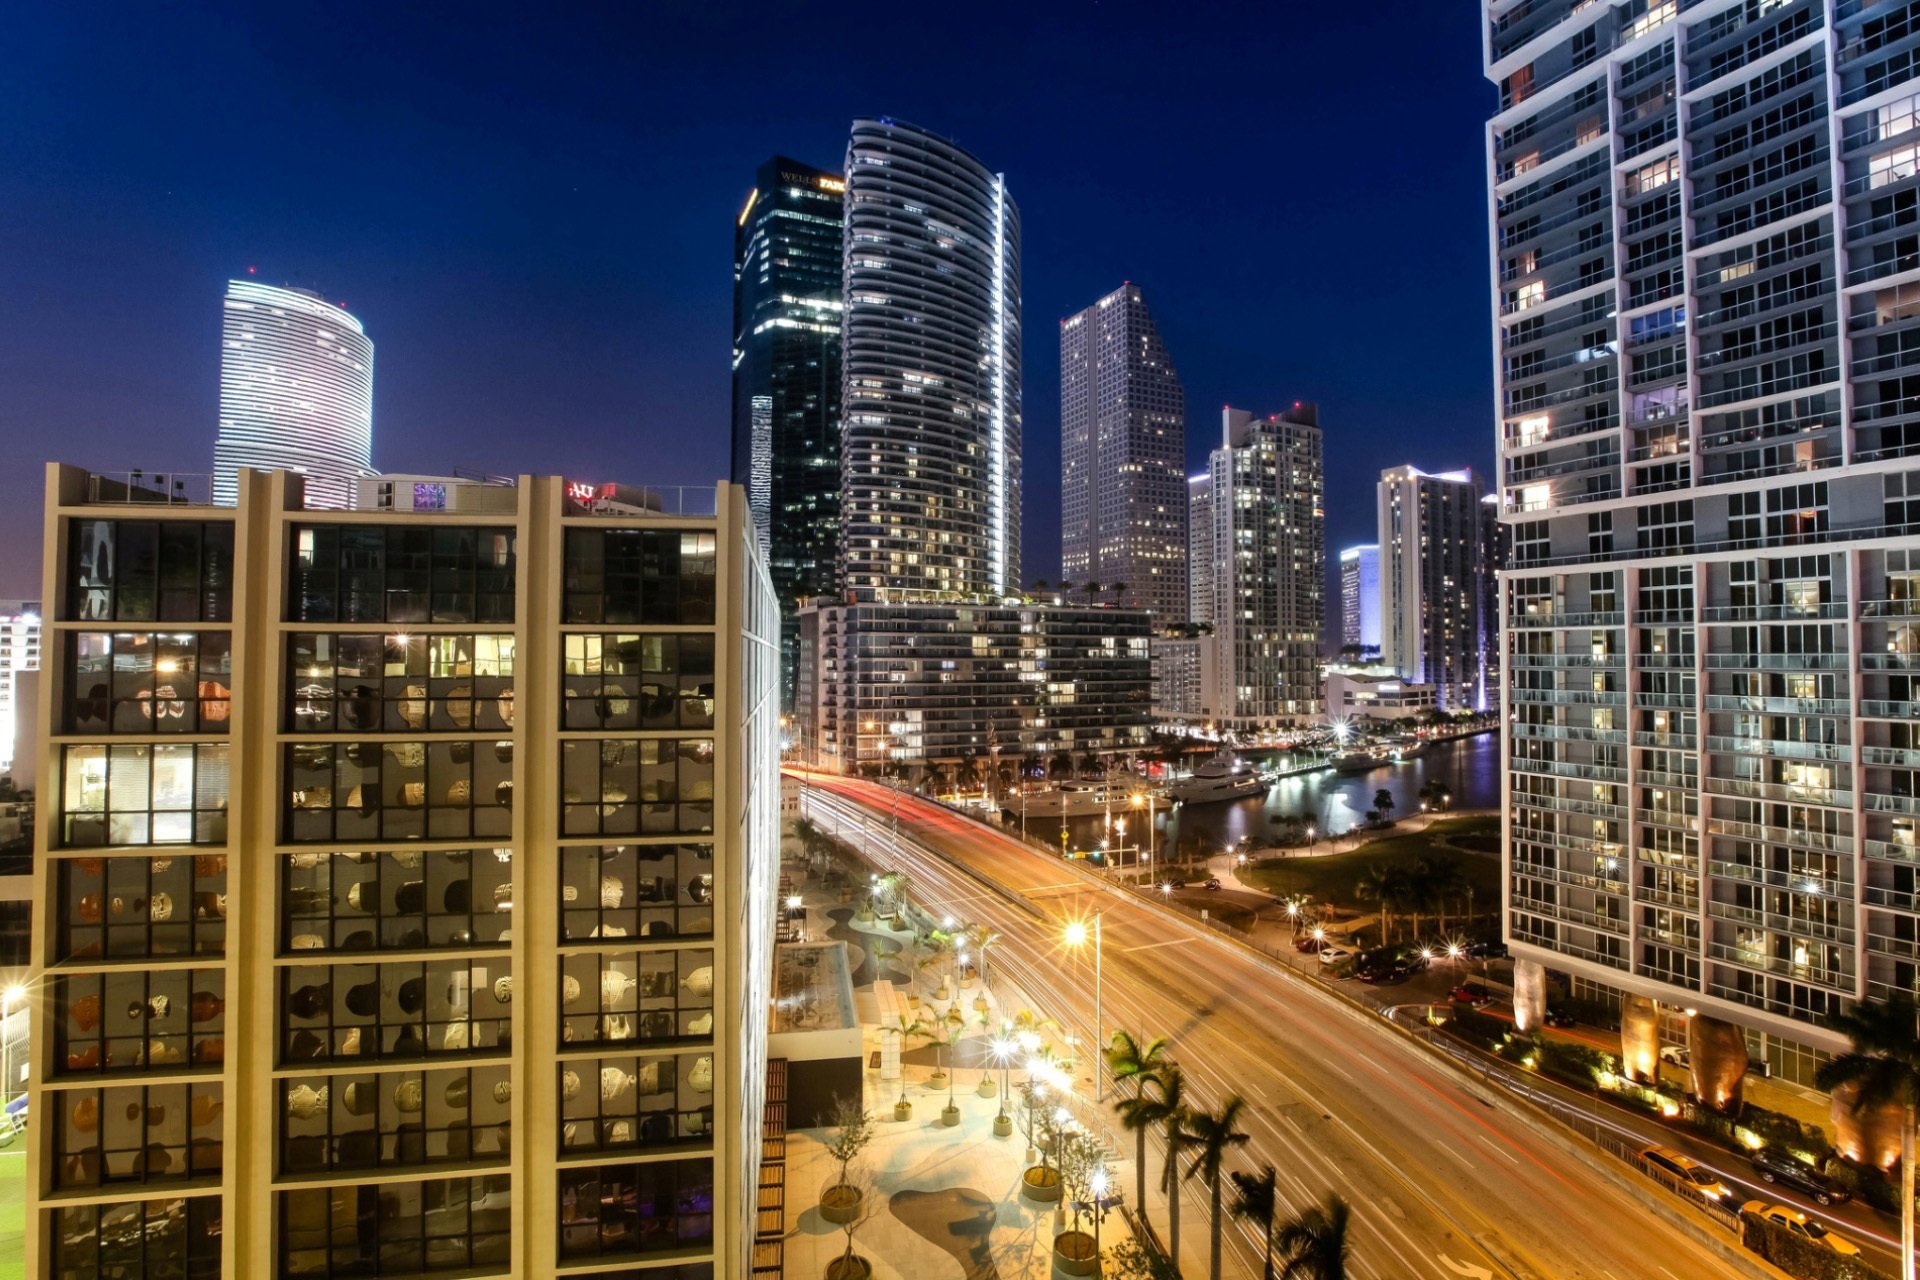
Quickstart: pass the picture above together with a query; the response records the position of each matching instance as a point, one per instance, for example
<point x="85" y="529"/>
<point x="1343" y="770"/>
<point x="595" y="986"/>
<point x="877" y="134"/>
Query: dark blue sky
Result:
<point x="533" y="216"/>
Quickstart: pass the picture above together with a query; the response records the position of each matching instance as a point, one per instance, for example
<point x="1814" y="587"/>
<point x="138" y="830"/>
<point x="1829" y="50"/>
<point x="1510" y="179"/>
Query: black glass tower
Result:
<point x="786" y="379"/>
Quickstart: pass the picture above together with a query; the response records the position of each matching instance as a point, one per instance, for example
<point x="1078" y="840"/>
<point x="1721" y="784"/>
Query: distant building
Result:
<point x="426" y="493"/>
<point x="296" y="392"/>
<point x="1202" y="556"/>
<point x="787" y="316"/>
<point x="909" y="687"/>
<point x="930" y="403"/>
<point x="1123" y="448"/>
<point x="1360" y="597"/>
<point x="20" y="627"/>
<point x="1376" y="691"/>
<point x="1269" y="593"/>
<point x="1181" y="668"/>
<point x="1433" y="574"/>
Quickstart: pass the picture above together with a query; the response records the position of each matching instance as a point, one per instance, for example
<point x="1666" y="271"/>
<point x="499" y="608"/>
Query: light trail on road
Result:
<point x="1444" y="1183"/>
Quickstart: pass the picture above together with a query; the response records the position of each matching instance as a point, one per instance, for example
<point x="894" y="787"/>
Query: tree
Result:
<point x="1079" y="1157"/>
<point x="1884" y="1068"/>
<point x="1313" y="1246"/>
<point x="1383" y="801"/>
<point x="1444" y="882"/>
<point x="894" y="885"/>
<point x="1210" y="1135"/>
<point x="983" y="938"/>
<point x="1131" y="1260"/>
<point x="1256" y="1199"/>
<point x="1171" y="1087"/>
<point x="852" y="1131"/>
<point x="1386" y="885"/>
<point x="907" y="1026"/>
<point x="1128" y="1059"/>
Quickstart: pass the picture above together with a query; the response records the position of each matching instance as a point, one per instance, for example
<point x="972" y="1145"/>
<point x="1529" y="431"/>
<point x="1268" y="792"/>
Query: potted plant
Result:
<point x="852" y="1131"/>
<point x="952" y="1026"/>
<point x="1040" y="1182"/>
<point x="1083" y="1182"/>
<point x="850" y="1265"/>
<point x="906" y="1025"/>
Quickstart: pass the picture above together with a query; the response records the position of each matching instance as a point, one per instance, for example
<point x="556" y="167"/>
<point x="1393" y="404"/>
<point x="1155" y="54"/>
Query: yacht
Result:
<point x="1072" y="800"/>
<point x="1360" y="761"/>
<point x="1221" y="778"/>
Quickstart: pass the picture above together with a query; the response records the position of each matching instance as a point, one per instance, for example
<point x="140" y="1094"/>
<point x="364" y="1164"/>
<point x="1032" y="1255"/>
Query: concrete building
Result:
<point x="787" y="316"/>
<point x="20" y="627"/>
<point x="930" y="399"/>
<point x="1269" y="586"/>
<point x="1123" y="451"/>
<point x="1709" y="450"/>
<point x="296" y="392"/>
<point x="1375" y="691"/>
<point x="910" y="687"/>
<point x="1202" y="556"/>
<point x="1182" y="667"/>
<point x="406" y="899"/>
<point x="1360" y="597"/>
<point x="1433" y="569"/>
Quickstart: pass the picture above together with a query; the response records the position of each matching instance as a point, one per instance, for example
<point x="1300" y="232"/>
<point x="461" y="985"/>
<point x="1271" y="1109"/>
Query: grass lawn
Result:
<point x="1331" y="879"/>
<point x="13" y="1210"/>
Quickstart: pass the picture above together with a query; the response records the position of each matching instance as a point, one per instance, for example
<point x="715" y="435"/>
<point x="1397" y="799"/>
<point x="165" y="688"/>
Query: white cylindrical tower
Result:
<point x="296" y="392"/>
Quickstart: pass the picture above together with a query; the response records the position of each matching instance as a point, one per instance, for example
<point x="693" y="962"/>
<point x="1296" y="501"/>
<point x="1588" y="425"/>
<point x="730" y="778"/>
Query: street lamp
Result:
<point x="1076" y="937"/>
<point x="1002" y="1049"/>
<point x="1147" y="800"/>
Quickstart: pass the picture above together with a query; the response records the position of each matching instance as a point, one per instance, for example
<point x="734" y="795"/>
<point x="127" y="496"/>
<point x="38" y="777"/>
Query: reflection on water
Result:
<point x="1469" y="768"/>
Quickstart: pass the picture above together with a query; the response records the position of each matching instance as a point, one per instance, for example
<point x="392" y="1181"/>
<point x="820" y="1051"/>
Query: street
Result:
<point x="1444" y="1183"/>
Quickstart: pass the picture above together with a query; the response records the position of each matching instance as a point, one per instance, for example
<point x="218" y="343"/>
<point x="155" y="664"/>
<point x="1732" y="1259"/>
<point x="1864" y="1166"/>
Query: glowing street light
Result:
<point x="1076" y="937"/>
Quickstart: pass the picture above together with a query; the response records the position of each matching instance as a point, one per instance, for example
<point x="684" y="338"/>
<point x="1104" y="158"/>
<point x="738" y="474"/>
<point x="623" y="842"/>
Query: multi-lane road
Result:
<point x="1445" y="1181"/>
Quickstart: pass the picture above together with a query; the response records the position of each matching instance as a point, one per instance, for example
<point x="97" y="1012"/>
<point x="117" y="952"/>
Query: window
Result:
<point x="149" y="682"/>
<point x="1892" y="165"/>
<point x="388" y="790"/>
<point x="135" y="1134"/>
<point x="639" y="576"/>
<point x="128" y="908"/>
<point x="1743" y="516"/>
<point x="1531" y="294"/>
<point x="1600" y="533"/>
<point x="1896" y="118"/>
<point x="1903" y="500"/>
<point x="176" y="1239"/>
<point x="399" y="682"/>
<point x="643" y="786"/>
<point x="613" y="1210"/>
<point x="449" y="1114"/>
<point x="636" y="891"/>
<point x="345" y="1012"/>
<point x="396" y="1228"/>
<point x="611" y="1104"/>
<point x="150" y="571"/>
<point x="1797" y="510"/>
<point x="404" y="901"/>
<point x="1651" y="177"/>
<point x="1531" y="430"/>
<point x="639" y="682"/>
<point x="401" y="573"/>
<point x="1666" y="526"/>
<point x="131" y="1019"/>
<point x="621" y="996"/>
<point x="139" y="794"/>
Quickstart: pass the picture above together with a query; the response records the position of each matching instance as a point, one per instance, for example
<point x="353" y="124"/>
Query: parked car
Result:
<point x="1178" y="882"/>
<point x="1212" y="882"/>
<point x="1331" y="953"/>
<point x="1779" y="1167"/>
<point x="1675" y="1054"/>
<point x="1558" y="1017"/>
<point x="1470" y="993"/>
<point x="1307" y="943"/>
<point x="1388" y="974"/>
<point x="1487" y="950"/>
<point x="1802" y="1226"/>
<point x="1687" y="1171"/>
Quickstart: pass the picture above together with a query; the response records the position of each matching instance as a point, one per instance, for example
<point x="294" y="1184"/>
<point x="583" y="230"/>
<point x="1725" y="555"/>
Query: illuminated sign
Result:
<point x="832" y="184"/>
<point x="429" y="497"/>
<point x="580" y="492"/>
<point x="751" y="197"/>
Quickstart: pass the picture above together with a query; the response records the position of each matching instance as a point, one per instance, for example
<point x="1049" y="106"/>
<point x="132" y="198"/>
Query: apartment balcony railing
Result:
<point x="1902" y="757"/>
<point x="1898" y="899"/>
<point x="1783" y="792"/>
<point x="1561" y="769"/>
<point x="1779" y="706"/>
<point x="1577" y="879"/>
<point x="1822" y="841"/>
<point x="1663" y="898"/>
<point x="1883" y="709"/>
<point x="1665" y="778"/>
<point x="1764" y="541"/>
<point x="1892" y="804"/>
<point x="1792" y="881"/>
<point x="1890" y="851"/>
<point x="1773" y="612"/>
<point x="1890" y="661"/>
<point x="1782" y="749"/>
<point x="1569" y="697"/>
<point x="1904" y="948"/>
<point x="1796" y="926"/>
<point x="1778" y="661"/>
<point x="1782" y="965"/>
<point x="1667" y="741"/>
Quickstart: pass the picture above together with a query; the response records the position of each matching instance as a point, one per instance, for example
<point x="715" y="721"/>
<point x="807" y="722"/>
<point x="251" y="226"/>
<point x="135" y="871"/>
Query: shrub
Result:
<point x="1801" y="1258"/>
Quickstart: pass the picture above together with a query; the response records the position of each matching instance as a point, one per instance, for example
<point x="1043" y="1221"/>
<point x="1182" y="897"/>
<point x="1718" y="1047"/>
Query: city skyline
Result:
<point x="616" y="343"/>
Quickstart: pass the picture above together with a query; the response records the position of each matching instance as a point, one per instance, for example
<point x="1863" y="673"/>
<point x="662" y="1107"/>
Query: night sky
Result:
<point x="533" y="216"/>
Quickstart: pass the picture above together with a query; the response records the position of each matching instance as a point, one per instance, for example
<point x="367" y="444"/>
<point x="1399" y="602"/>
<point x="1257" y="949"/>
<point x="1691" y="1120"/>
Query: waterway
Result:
<point x="1468" y="767"/>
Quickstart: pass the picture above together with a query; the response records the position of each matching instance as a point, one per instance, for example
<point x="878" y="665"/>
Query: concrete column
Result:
<point x="1529" y="994"/>
<point x="1868" y="1135"/>
<point x="1717" y="1057"/>
<point x="1640" y="1040"/>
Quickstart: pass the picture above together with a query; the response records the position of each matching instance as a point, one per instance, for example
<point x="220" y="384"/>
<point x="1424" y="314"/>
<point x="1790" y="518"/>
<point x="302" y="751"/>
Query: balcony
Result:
<point x="1775" y="922"/>
<point x="1821" y="841"/>
<point x="1881" y="709"/>
<point x="1783" y="965"/>
<point x="1780" y="748"/>
<point x="1783" y="792"/>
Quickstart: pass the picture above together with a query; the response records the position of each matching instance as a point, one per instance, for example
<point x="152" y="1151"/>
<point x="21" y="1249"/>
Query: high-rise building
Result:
<point x="406" y="896"/>
<point x="930" y="408"/>
<point x="1360" y="597"/>
<point x="296" y="392"/>
<point x="1269" y="592"/>
<point x="19" y="651"/>
<point x="1710" y="471"/>
<point x="786" y="379"/>
<point x="1123" y="452"/>
<point x="1201" y="554"/>
<point x="1432" y="567"/>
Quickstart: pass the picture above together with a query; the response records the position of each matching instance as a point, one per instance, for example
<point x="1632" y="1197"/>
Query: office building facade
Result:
<point x="912" y="687"/>
<point x="1202" y="555"/>
<point x="787" y="315"/>
<point x="1270" y="569"/>
<point x="1123" y="451"/>
<point x="1704" y="293"/>
<point x="406" y="884"/>
<point x="296" y="392"/>
<point x="1432" y="570"/>
<point x="19" y="652"/>
<point x="930" y="402"/>
<point x="1360" y="597"/>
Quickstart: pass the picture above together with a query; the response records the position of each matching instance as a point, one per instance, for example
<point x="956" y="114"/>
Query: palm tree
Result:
<point x="1171" y="1083"/>
<point x="1256" y="1199"/>
<point x="1383" y="801"/>
<point x="1387" y="886"/>
<point x="1128" y="1059"/>
<point x="907" y="1026"/>
<point x="1313" y="1246"/>
<point x="1884" y="1068"/>
<point x="983" y="938"/>
<point x="1210" y="1135"/>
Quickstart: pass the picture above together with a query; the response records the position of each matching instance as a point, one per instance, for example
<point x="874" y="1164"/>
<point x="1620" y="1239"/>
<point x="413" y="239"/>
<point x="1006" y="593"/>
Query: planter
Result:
<point x="1041" y="1185"/>
<point x="987" y="1088"/>
<point x="979" y="1004"/>
<point x="949" y="1115"/>
<point x="938" y="1080"/>
<point x="863" y="916"/>
<point x="1003" y="1126"/>
<point x="903" y="1110"/>
<point x="1074" y="1254"/>
<point x="840" y="1204"/>
<point x="855" y="1268"/>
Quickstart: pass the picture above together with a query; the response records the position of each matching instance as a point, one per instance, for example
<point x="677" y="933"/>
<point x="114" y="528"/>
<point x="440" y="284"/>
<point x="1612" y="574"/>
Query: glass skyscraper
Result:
<point x="1707" y="315"/>
<point x="786" y="378"/>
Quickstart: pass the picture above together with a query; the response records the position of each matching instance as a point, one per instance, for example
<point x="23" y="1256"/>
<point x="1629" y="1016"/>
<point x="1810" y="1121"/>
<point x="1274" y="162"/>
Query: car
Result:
<point x="1177" y="882"/>
<point x="1675" y="1055"/>
<point x="1802" y="1226"/>
<point x="1557" y="1017"/>
<point x="1212" y="882"/>
<point x="1487" y="950"/>
<point x="1387" y="974"/>
<point x="1331" y="953"/>
<point x="1779" y="1167"/>
<point x="1687" y="1171"/>
<point x="1470" y="993"/>
<point x="1308" y="944"/>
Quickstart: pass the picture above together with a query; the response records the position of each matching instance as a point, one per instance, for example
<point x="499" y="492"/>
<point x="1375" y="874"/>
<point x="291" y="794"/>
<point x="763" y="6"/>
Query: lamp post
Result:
<point x="1147" y="800"/>
<point x="1076" y="937"/>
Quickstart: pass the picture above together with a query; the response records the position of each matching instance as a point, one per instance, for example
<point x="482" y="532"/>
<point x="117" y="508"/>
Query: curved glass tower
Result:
<point x="296" y="392"/>
<point x="930" y="446"/>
